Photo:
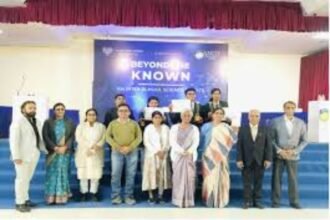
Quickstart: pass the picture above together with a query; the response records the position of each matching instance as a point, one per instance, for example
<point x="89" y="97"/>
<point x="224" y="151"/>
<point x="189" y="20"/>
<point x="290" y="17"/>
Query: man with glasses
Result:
<point x="123" y="135"/>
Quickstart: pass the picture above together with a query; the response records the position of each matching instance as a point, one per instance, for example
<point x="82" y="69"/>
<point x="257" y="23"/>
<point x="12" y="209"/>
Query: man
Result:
<point x="112" y="113"/>
<point x="123" y="135"/>
<point x="196" y="108"/>
<point x="214" y="103"/>
<point x="289" y="138"/>
<point x="254" y="155"/>
<point x="25" y="146"/>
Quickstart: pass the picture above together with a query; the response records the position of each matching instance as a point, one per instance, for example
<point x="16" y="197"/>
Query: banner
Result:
<point x="163" y="69"/>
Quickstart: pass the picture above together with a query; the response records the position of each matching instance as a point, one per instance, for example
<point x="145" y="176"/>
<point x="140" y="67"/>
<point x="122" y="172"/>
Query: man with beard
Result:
<point x="25" y="146"/>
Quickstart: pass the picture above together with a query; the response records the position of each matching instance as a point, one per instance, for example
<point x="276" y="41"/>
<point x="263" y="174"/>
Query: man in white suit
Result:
<point x="25" y="146"/>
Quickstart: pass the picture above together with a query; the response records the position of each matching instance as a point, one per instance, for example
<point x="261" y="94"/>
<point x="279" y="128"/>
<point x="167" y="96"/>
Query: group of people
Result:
<point x="167" y="145"/>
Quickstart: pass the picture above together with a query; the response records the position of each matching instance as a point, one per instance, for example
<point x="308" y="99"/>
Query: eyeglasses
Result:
<point x="59" y="109"/>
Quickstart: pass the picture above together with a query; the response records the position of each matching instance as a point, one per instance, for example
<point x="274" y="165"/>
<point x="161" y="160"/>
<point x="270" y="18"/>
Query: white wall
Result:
<point x="66" y="73"/>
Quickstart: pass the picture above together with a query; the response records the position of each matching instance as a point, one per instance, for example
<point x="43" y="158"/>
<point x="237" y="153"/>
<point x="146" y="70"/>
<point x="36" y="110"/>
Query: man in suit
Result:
<point x="254" y="155"/>
<point x="25" y="146"/>
<point x="289" y="138"/>
<point x="214" y="103"/>
<point x="196" y="108"/>
<point x="111" y="114"/>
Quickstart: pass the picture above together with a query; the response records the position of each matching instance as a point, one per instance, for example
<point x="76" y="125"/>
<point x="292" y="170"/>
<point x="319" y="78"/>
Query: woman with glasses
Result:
<point x="89" y="156"/>
<point x="58" y="134"/>
<point x="218" y="138"/>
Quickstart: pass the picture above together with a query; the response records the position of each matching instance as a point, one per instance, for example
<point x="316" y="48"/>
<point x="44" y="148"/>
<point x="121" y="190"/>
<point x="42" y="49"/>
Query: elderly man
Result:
<point x="254" y="155"/>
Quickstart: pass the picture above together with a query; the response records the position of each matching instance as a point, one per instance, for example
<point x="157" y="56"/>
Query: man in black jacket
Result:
<point x="254" y="155"/>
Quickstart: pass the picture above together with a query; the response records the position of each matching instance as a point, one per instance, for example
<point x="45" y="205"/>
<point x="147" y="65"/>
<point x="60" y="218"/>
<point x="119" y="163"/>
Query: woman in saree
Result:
<point x="219" y="139"/>
<point x="58" y="133"/>
<point x="184" y="140"/>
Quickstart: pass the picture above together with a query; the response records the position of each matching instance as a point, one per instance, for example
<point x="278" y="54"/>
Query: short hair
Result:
<point x="119" y="95"/>
<point x="155" y="113"/>
<point x="152" y="98"/>
<point x="214" y="90"/>
<point x="26" y="103"/>
<point x="57" y="105"/>
<point x="185" y="111"/>
<point x="289" y="102"/>
<point x="254" y="110"/>
<point x="191" y="89"/>
<point x="124" y="105"/>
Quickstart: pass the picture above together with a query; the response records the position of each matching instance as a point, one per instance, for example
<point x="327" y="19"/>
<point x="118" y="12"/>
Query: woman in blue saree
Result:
<point x="58" y="134"/>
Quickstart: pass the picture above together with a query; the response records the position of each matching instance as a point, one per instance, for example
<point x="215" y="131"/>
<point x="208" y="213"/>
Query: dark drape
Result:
<point x="314" y="78"/>
<point x="197" y="14"/>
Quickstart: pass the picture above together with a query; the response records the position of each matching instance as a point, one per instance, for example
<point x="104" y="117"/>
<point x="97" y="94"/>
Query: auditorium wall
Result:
<point x="65" y="74"/>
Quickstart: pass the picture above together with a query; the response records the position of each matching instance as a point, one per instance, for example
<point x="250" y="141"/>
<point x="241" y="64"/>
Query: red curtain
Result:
<point x="314" y="78"/>
<point x="198" y="14"/>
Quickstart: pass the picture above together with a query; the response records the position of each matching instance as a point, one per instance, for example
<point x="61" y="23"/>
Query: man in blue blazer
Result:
<point x="289" y="138"/>
<point x="254" y="155"/>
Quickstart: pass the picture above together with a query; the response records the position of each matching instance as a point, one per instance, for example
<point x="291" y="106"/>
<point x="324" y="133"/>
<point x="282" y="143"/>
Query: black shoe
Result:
<point x="258" y="205"/>
<point x="22" y="208"/>
<point x="275" y="205"/>
<point x="94" y="197"/>
<point x="83" y="197"/>
<point x="30" y="204"/>
<point x="160" y="200"/>
<point x="246" y="205"/>
<point x="295" y="206"/>
<point x="151" y="201"/>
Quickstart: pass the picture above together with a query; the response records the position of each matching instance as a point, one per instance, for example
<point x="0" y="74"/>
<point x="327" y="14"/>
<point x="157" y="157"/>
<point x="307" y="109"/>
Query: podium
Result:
<point x="318" y="121"/>
<point x="42" y="106"/>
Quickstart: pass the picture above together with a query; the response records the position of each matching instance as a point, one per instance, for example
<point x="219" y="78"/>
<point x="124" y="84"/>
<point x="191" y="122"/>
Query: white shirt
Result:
<point x="254" y="131"/>
<point x="289" y="124"/>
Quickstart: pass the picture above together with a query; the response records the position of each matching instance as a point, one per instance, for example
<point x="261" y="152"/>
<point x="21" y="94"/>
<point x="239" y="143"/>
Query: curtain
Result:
<point x="314" y="78"/>
<point x="197" y="14"/>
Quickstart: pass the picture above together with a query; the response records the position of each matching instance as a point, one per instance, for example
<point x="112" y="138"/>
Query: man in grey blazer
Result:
<point x="25" y="146"/>
<point x="289" y="138"/>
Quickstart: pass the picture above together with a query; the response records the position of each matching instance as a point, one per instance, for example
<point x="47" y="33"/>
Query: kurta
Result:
<point x="90" y="167"/>
<point x="184" y="143"/>
<point x="156" y="172"/>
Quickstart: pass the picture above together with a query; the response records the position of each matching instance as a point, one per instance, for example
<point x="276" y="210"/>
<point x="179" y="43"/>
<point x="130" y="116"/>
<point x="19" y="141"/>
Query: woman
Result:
<point x="219" y="139"/>
<point x="156" y="170"/>
<point x="89" y="157"/>
<point x="184" y="140"/>
<point x="58" y="134"/>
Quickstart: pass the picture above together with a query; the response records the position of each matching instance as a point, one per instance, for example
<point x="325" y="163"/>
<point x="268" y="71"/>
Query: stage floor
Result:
<point x="164" y="213"/>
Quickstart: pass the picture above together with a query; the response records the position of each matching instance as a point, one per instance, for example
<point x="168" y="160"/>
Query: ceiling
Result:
<point x="269" y="42"/>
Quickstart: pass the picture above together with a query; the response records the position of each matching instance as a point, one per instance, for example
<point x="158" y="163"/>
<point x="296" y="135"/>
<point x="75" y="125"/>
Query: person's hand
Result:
<point x="198" y="119"/>
<point x="240" y="164"/>
<point x="267" y="164"/>
<point x="160" y="154"/>
<point x="89" y="153"/>
<point x="18" y="161"/>
<point x="62" y="149"/>
<point x="125" y="150"/>
<point x="284" y="154"/>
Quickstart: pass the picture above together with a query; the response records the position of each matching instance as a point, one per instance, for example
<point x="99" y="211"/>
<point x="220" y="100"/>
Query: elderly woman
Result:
<point x="156" y="173"/>
<point x="219" y="139"/>
<point x="58" y="135"/>
<point x="89" y="156"/>
<point x="184" y="140"/>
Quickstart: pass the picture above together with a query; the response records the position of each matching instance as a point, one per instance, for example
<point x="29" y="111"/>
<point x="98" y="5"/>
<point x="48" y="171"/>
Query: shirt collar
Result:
<point x="253" y="126"/>
<point x="287" y="119"/>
